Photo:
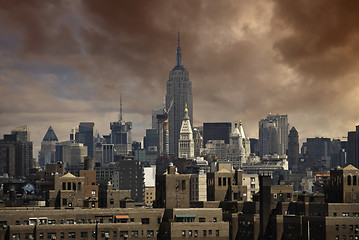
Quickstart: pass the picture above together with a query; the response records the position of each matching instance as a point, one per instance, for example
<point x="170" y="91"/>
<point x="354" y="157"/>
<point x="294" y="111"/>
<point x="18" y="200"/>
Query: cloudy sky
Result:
<point x="63" y="62"/>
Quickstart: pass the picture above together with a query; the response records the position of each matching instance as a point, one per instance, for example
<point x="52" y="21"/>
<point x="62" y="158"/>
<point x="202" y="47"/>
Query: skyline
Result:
<point x="66" y="62"/>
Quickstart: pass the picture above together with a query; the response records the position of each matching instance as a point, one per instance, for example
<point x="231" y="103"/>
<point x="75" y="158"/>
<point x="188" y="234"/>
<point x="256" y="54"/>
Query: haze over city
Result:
<point x="65" y="62"/>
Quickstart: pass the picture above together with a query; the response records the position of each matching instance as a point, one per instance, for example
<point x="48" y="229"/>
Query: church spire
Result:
<point x="179" y="54"/>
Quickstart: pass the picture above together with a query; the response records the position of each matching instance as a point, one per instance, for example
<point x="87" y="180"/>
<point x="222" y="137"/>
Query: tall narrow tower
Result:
<point x="179" y="90"/>
<point x="186" y="143"/>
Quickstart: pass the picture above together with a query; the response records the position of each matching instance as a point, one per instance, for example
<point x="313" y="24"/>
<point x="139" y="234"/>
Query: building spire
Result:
<point x="179" y="55"/>
<point x="121" y="115"/>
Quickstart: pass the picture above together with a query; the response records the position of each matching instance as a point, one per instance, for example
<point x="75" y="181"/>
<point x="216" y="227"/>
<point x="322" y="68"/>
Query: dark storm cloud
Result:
<point x="63" y="62"/>
<point x="323" y="36"/>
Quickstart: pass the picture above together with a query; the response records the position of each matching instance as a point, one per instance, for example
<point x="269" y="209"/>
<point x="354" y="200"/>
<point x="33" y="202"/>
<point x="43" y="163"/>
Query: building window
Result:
<point x="132" y="220"/>
<point x="189" y="233"/>
<point x="150" y="233"/>
<point x="134" y="233"/>
<point x="158" y="220"/>
<point x="74" y="186"/>
<point x="195" y="233"/>
<point x="51" y="236"/>
<point x="337" y="227"/>
<point x="288" y="195"/>
<point x="16" y="236"/>
<point x="253" y="186"/>
<point x="217" y="233"/>
<point x="214" y="219"/>
<point x="204" y="233"/>
<point x="64" y="202"/>
<point x="334" y="214"/>
<point x="219" y="181"/>
<point x="63" y="186"/>
<point x="253" y="179"/>
<point x="202" y="219"/>
<point x="29" y="236"/>
<point x="145" y="220"/>
<point x="62" y="235"/>
<point x="123" y="234"/>
<point x="112" y="201"/>
<point x="345" y="214"/>
<point x="349" y="180"/>
<point x="224" y="181"/>
<point x="72" y="235"/>
<point x="84" y="235"/>
<point x="183" y="233"/>
<point x="93" y="192"/>
<point x="183" y="184"/>
<point x="114" y="234"/>
<point x="69" y="186"/>
<point x="354" y="180"/>
<point x="209" y="232"/>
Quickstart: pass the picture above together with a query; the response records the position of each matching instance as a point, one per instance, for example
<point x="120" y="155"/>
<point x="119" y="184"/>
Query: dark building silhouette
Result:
<point x="179" y="93"/>
<point x="216" y="131"/>
<point x="86" y="136"/>
<point x="353" y="147"/>
<point x="293" y="149"/>
<point x="16" y="152"/>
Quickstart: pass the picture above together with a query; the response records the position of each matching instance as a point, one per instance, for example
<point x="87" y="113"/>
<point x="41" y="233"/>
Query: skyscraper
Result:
<point x="48" y="147"/>
<point x="293" y="149"/>
<point x="179" y="90"/>
<point x="273" y="134"/>
<point x="86" y="136"/>
<point x="121" y="135"/>
<point x="353" y="147"/>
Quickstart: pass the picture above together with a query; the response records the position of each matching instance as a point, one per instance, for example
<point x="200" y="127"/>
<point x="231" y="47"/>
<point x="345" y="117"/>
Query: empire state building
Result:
<point x="179" y="91"/>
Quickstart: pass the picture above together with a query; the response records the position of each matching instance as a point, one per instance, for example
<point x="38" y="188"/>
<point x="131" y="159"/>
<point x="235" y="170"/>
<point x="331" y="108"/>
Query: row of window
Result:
<point x="194" y="233"/>
<point x="347" y="214"/>
<point x="345" y="237"/>
<point x="351" y="227"/>
<point x="84" y="235"/>
<point x="36" y="221"/>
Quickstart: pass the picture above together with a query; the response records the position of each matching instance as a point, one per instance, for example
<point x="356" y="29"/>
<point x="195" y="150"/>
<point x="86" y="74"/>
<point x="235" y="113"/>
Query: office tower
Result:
<point x="273" y="134"/>
<point x="268" y="137"/>
<point x="216" y="131"/>
<point x="156" y="112"/>
<point x="70" y="153"/>
<point x="254" y="142"/>
<point x="186" y="143"/>
<point x="18" y="140"/>
<point x="48" y="147"/>
<point x="353" y="147"/>
<point x="151" y="139"/>
<point x="7" y="158"/>
<point x="22" y="133"/>
<point x="293" y="149"/>
<point x="179" y="91"/>
<point x="319" y="151"/>
<point x="85" y="135"/>
<point x="121" y="135"/>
